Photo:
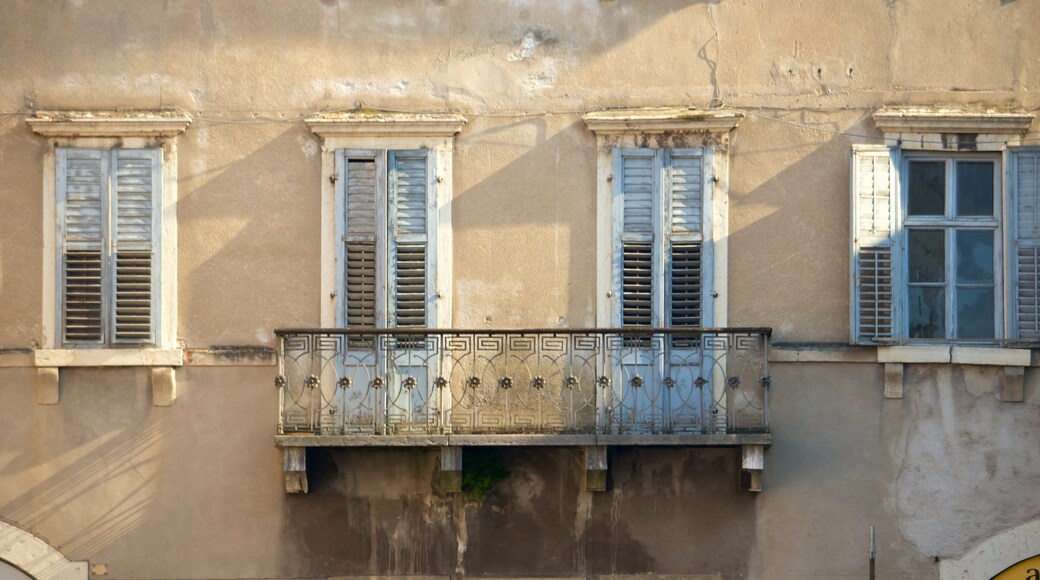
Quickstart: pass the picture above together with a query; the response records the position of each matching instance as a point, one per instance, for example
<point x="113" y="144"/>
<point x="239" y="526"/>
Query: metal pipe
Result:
<point x="873" y="551"/>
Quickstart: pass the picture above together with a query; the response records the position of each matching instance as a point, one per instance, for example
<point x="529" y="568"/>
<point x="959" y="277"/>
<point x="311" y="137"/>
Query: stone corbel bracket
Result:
<point x="752" y="465"/>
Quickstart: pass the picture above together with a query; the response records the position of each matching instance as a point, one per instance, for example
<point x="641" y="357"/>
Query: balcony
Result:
<point x="561" y="387"/>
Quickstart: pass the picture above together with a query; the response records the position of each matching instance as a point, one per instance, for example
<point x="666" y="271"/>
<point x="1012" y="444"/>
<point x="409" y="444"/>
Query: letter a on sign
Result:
<point x="1028" y="569"/>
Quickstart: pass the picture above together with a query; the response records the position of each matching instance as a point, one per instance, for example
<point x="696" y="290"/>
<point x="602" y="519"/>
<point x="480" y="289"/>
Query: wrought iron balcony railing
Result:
<point x="598" y="381"/>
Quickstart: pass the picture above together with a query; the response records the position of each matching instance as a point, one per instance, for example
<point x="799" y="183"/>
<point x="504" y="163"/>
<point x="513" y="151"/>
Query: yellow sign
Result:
<point x="1028" y="569"/>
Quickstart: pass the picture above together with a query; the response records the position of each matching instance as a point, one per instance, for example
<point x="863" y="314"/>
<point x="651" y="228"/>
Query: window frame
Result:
<point x="108" y="130"/>
<point x="877" y="229"/>
<point x="668" y="128"/>
<point x="108" y="250"/>
<point x="386" y="243"/>
<point x="662" y="238"/>
<point x="384" y="131"/>
<point x="950" y="224"/>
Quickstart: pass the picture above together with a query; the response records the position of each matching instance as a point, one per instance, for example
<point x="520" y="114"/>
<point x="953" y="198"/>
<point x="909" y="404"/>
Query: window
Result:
<point x="661" y="263"/>
<point x="659" y="254"/>
<point x="386" y="260"/>
<point x="662" y="219"/>
<point x="386" y="217"/>
<point x="385" y="214"/>
<point x="940" y="251"/>
<point x="110" y="238"/>
<point x="109" y="208"/>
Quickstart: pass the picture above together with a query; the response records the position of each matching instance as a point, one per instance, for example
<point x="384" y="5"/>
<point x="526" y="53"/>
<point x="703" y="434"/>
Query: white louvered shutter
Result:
<point x="407" y="207"/>
<point x="874" y="253"/>
<point x="684" y="195"/>
<point x="359" y="241"/>
<point x="82" y="178"/>
<point x="1025" y="180"/>
<point x="635" y="187"/>
<point x="134" y="262"/>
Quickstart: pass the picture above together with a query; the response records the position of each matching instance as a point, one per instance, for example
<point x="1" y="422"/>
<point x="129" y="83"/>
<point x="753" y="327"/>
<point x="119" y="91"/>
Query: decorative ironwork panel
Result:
<point x="427" y="381"/>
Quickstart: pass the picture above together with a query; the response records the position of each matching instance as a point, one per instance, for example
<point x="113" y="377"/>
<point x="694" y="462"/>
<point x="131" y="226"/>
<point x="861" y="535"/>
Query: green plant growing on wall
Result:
<point x="482" y="469"/>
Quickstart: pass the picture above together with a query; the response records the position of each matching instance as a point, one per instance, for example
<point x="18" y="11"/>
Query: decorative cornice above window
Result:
<point x="951" y="120"/>
<point x="109" y="123"/>
<point x="382" y="123"/>
<point x="661" y="120"/>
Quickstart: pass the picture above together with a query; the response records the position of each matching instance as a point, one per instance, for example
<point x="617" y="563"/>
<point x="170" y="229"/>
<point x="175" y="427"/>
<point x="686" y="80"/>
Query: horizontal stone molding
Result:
<point x="839" y="353"/>
<point x="384" y="123"/>
<point x="230" y="356"/>
<point x="913" y="354"/>
<point x="109" y="123"/>
<point x="903" y="354"/>
<point x="662" y="120"/>
<point x="1010" y="357"/>
<point x="951" y="120"/>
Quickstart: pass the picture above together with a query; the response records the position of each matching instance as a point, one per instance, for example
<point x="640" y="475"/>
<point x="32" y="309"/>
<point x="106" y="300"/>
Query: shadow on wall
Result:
<point x="249" y="235"/>
<point x="669" y="511"/>
<point x="524" y="232"/>
<point x="799" y="285"/>
<point x="84" y="458"/>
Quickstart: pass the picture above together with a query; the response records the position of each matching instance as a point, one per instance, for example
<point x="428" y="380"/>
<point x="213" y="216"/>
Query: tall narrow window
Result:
<point x="108" y="235"/>
<point x="660" y="222"/>
<point x="386" y="258"/>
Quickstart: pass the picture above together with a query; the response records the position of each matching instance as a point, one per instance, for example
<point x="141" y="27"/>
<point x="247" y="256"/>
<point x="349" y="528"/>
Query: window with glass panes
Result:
<point x="952" y="248"/>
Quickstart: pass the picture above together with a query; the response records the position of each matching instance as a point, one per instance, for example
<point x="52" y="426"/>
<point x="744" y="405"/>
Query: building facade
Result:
<point x="587" y="288"/>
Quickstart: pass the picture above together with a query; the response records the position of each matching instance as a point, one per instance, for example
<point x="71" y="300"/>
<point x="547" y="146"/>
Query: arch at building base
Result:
<point x="35" y="557"/>
<point x="994" y="554"/>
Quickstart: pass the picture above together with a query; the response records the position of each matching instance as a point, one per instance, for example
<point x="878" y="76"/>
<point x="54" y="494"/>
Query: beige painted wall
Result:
<point x="195" y="490"/>
<point x="523" y="73"/>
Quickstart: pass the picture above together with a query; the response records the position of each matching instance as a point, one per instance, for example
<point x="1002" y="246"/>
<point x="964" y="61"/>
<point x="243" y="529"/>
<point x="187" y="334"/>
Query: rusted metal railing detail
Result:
<point x="602" y="381"/>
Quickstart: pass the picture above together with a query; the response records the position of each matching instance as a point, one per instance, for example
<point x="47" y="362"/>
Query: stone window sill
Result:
<point x="965" y="355"/>
<point x="109" y="357"/>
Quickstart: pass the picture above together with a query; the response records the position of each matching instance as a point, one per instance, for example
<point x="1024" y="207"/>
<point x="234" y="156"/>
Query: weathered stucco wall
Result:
<point x="195" y="490"/>
<point x="523" y="73"/>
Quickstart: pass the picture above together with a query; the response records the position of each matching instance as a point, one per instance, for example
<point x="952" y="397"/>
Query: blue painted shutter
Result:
<point x="684" y="196"/>
<point x="82" y="178"/>
<point x="359" y="241"/>
<point x="1025" y="182"/>
<point x="874" y="255"/>
<point x="135" y="259"/>
<point x="408" y="202"/>
<point x="636" y="182"/>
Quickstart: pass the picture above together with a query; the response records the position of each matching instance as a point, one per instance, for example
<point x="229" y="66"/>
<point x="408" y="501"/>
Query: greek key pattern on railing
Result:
<point x="606" y="381"/>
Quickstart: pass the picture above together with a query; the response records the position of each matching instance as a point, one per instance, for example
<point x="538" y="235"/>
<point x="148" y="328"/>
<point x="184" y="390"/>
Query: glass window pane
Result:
<point x="927" y="188"/>
<point x="974" y="257"/>
<point x="974" y="188"/>
<point x="927" y="255"/>
<point x="927" y="306"/>
<point x="975" y="308"/>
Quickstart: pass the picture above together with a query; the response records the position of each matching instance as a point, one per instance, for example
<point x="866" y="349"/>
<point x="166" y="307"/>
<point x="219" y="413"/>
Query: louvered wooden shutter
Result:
<point x="684" y="195"/>
<point x="635" y="187"/>
<point x="82" y="178"/>
<point x="874" y="253"/>
<point x="1025" y="181"/>
<point x="134" y="260"/>
<point x="360" y="242"/>
<point x="408" y="202"/>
